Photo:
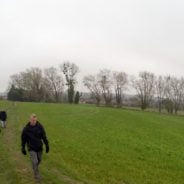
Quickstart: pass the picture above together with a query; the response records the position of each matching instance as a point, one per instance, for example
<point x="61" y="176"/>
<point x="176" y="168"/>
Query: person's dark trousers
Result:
<point x="36" y="158"/>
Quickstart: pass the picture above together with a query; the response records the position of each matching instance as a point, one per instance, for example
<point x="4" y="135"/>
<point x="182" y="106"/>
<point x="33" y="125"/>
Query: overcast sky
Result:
<point x="131" y="35"/>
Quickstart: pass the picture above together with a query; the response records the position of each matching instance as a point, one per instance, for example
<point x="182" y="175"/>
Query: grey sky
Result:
<point x="131" y="35"/>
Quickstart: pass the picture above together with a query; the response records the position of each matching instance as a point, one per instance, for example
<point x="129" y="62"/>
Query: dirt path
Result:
<point x="18" y="163"/>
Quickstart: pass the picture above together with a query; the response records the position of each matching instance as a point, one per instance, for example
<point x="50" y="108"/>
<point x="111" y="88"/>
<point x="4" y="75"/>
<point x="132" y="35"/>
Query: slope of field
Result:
<point x="95" y="146"/>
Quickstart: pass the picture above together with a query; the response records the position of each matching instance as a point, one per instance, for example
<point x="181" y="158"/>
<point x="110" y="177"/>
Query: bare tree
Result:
<point x="174" y="91"/>
<point x="92" y="84"/>
<point x="70" y="70"/>
<point x="105" y="81"/>
<point x="177" y="95"/>
<point x="160" y="91"/>
<point x="120" y="81"/>
<point x="16" y="80"/>
<point x="182" y="92"/>
<point x="54" y="83"/>
<point x="144" y="87"/>
<point x="31" y="82"/>
<point x="168" y="95"/>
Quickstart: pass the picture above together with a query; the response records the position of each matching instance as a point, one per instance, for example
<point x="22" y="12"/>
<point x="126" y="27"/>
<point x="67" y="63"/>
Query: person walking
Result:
<point x="33" y="135"/>
<point x="3" y="118"/>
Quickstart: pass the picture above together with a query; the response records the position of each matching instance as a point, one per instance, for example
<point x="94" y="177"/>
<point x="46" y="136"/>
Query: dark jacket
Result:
<point x="33" y="137"/>
<point x="3" y="115"/>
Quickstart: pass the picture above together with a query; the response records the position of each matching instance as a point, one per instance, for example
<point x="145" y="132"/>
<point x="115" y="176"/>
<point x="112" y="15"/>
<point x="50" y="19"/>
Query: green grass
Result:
<point x="96" y="145"/>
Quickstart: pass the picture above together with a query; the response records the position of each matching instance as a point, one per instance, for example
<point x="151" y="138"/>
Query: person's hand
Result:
<point x="47" y="149"/>
<point x="24" y="151"/>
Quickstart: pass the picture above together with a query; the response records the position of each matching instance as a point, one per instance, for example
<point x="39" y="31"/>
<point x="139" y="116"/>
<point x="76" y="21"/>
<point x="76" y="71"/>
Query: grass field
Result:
<point x="95" y="145"/>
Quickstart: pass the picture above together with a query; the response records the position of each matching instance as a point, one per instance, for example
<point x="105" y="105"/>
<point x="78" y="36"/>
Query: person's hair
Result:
<point x="33" y="116"/>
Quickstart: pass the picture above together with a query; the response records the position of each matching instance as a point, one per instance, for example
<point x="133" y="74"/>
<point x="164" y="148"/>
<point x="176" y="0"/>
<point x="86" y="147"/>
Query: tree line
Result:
<point x="46" y="85"/>
<point x="106" y="87"/>
<point x="166" y="91"/>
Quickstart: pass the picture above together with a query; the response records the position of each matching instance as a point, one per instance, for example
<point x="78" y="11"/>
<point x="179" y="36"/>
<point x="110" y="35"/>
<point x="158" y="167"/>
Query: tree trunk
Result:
<point x="160" y="107"/>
